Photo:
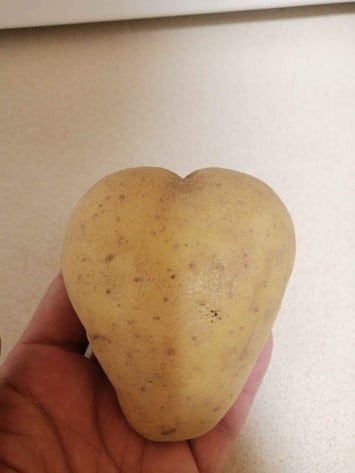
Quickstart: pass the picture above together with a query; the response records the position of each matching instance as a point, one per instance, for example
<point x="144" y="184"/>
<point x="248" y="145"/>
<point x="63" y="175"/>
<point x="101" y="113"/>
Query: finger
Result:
<point x="235" y="418"/>
<point x="55" y="321"/>
<point x="219" y="441"/>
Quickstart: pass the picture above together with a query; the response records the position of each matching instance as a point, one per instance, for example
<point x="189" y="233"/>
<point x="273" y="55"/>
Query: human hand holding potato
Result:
<point x="177" y="282"/>
<point x="59" y="411"/>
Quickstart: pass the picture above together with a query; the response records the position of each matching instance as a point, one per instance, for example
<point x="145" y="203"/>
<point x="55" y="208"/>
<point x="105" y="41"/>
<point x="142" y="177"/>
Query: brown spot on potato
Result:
<point x="109" y="258"/>
<point x="165" y="299"/>
<point x="143" y="389"/>
<point x="256" y="308"/>
<point x="171" y="352"/>
<point x="83" y="227"/>
<point x="168" y="431"/>
<point x="100" y="337"/>
<point x="121" y="196"/>
<point x="108" y="291"/>
<point x="219" y="266"/>
<point x="138" y="279"/>
<point x="156" y="317"/>
<point x="131" y="321"/>
<point x="118" y="219"/>
<point x="194" y="338"/>
<point x="216" y="409"/>
<point x="192" y="265"/>
<point x="173" y="276"/>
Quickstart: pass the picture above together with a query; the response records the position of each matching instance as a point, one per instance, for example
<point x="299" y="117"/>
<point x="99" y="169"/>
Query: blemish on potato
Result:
<point x="121" y="196"/>
<point x="256" y="308"/>
<point x="143" y="389"/>
<point x="109" y="258"/>
<point x="171" y="352"/>
<point x="108" y="291"/>
<point x="129" y="356"/>
<point x="138" y="279"/>
<point x="173" y="276"/>
<point x="118" y="219"/>
<point x="165" y="299"/>
<point x="219" y="266"/>
<point x="99" y="336"/>
<point x="131" y="321"/>
<point x="194" y="338"/>
<point x="168" y="431"/>
<point x="216" y="409"/>
<point x="192" y="265"/>
<point x="156" y="317"/>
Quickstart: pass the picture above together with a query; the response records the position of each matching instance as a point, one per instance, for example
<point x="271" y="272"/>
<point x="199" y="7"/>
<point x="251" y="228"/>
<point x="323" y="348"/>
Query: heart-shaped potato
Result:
<point x="177" y="282"/>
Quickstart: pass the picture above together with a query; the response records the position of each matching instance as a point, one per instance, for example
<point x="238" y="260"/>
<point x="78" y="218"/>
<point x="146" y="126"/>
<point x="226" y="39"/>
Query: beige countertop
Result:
<point x="268" y="93"/>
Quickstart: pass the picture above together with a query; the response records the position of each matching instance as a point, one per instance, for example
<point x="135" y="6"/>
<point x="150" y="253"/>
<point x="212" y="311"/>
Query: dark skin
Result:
<point x="59" y="412"/>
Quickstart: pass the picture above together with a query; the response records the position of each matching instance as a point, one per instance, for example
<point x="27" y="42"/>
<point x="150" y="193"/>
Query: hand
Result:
<point x="59" y="413"/>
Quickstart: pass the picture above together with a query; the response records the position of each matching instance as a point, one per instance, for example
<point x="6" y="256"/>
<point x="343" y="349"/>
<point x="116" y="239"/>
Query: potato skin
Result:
<point x="177" y="282"/>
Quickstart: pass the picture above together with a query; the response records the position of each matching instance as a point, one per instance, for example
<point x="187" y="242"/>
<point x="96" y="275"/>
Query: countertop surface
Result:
<point x="270" y="93"/>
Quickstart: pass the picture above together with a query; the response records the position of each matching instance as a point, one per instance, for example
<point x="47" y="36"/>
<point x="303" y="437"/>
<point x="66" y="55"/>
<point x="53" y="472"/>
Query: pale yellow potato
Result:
<point x="177" y="282"/>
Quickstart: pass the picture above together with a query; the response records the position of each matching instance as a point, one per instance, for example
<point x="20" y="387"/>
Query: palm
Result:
<point x="62" y="411"/>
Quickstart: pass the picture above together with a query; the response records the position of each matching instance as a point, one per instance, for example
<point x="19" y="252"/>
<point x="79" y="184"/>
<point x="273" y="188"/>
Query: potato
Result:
<point x="177" y="282"/>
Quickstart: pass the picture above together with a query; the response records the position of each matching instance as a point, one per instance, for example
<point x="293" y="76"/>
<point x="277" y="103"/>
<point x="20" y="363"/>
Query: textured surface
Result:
<point x="268" y="93"/>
